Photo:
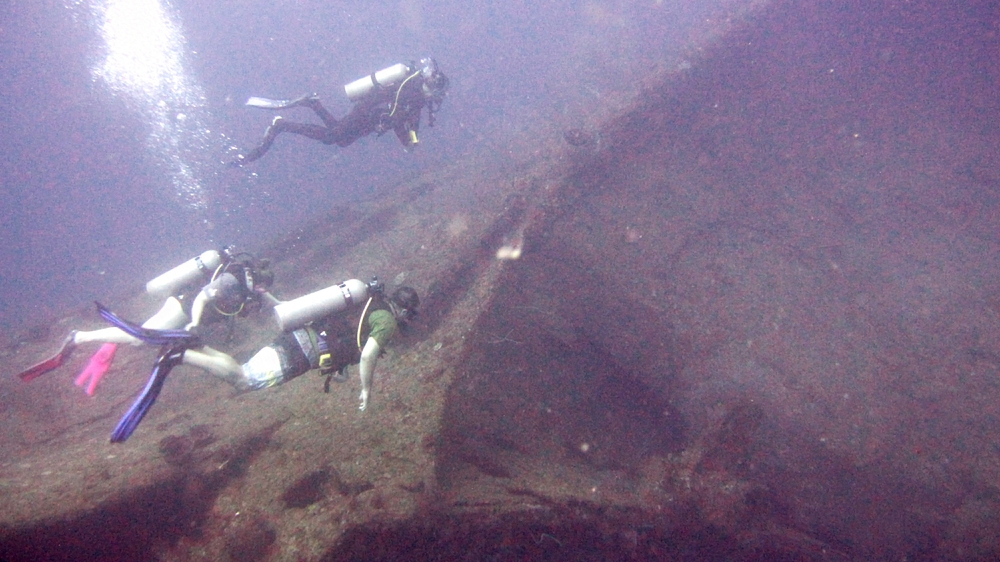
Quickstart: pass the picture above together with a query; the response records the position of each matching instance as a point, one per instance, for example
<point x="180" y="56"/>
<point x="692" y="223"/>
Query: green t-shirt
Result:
<point x="381" y="326"/>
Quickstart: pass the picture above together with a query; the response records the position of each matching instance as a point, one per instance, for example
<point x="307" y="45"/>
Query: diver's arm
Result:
<point x="369" y="358"/>
<point x="407" y="137"/>
<point x="197" y="309"/>
<point x="408" y="125"/>
<point x="268" y="299"/>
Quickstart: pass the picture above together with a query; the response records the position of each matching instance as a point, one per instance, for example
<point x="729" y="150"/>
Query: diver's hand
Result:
<point x="364" y="400"/>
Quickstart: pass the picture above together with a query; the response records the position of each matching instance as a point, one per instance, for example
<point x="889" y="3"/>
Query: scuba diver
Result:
<point x="315" y="336"/>
<point x="390" y="99"/>
<point x="237" y="283"/>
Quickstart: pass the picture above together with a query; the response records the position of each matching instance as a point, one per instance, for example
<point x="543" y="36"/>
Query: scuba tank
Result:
<point x="188" y="272"/>
<point x="385" y="77"/>
<point x="296" y="313"/>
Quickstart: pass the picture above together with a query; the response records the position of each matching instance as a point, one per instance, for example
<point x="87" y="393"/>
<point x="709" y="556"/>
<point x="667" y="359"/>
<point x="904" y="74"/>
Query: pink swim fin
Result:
<point x="98" y="365"/>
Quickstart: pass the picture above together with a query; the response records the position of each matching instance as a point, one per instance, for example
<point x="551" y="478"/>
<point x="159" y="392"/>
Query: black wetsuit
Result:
<point x="384" y="108"/>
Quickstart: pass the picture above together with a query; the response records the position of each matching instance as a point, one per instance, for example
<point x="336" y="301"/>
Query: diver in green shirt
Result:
<point x="329" y="344"/>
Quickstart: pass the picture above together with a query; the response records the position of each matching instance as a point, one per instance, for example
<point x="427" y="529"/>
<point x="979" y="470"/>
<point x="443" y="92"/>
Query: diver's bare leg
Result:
<point x="217" y="363"/>
<point x="170" y="317"/>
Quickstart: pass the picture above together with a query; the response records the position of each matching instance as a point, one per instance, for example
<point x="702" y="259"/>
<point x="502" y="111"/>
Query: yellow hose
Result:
<point x="361" y="321"/>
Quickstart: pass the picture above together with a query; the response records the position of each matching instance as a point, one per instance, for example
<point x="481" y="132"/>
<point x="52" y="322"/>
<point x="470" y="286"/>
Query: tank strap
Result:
<point x="348" y="297"/>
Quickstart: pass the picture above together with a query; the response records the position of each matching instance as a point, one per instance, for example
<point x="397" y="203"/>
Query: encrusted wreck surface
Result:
<point x="752" y="319"/>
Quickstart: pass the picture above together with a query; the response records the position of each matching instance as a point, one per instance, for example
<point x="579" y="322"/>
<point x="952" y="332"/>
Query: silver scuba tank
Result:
<point x="298" y="312"/>
<point x="174" y="280"/>
<point x="357" y="89"/>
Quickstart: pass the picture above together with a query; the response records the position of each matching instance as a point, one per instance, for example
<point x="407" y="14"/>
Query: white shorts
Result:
<point x="264" y="369"/>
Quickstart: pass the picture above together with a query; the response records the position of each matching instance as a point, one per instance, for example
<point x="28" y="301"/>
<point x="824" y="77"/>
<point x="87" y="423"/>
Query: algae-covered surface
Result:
<point x="751" y="315"/>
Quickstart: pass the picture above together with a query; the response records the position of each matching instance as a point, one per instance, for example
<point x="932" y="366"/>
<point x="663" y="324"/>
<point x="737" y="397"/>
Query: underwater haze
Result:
<point x="698" y="281"/>
<point x="119" y="116"/>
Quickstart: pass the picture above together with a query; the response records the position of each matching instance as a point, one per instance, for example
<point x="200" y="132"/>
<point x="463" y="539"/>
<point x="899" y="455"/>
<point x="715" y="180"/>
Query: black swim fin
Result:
<point x="265" y="103"/>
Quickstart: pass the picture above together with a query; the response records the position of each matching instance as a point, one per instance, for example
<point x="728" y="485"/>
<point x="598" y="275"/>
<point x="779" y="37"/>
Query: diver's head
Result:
<point x="428" y="68"/>
<point x="263" y="275"/>
<point x="404" y="302"/>
<point x="435" y="82"/>
<point x="229" y="252"/>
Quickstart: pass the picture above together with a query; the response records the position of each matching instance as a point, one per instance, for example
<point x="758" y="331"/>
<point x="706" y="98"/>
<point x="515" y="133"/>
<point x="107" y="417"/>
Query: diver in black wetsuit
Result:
<point x="390" y="99"/>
